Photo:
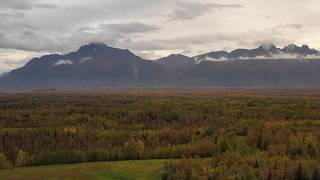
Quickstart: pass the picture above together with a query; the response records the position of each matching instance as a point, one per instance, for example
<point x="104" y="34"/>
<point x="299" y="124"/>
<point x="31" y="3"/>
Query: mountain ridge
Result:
<point x="92" y="65"/>
<point x="97" y="65"/>
<point x="268" y="51"/>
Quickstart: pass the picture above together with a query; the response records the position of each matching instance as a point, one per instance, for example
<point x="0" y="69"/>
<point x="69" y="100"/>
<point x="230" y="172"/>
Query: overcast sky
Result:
<point x="152" y="28"/>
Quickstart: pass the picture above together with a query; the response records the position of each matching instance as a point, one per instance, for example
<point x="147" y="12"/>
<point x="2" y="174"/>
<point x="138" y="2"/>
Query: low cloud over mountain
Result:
<point x="266" y="51"/>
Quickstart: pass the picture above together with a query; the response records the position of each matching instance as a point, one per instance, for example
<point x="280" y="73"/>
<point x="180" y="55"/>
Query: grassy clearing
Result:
<point x="145" y="169"/>
<point x="150" y="169"/>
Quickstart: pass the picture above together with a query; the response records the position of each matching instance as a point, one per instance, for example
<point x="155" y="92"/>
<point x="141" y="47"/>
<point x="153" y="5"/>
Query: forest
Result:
<point x="202" y="135"/>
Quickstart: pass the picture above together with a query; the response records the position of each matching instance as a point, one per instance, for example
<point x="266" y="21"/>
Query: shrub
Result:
<point x="4" y="163"/>
<point x="22" y="158"/>
<point x="60" y="157"/>
<point x="98" y="155"/>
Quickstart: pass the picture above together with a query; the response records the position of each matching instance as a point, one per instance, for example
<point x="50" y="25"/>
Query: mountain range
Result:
<point x="267" y="51"/>
<point x="97" y="65"/>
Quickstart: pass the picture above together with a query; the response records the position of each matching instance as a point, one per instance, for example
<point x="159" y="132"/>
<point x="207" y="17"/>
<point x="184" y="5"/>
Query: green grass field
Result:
<point x="140" y="170"/>
<point x="149" y="169"/>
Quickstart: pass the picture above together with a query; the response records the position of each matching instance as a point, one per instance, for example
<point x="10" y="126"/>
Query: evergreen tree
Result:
<point x="316" y="175"/>
<point x="300" y="174"/>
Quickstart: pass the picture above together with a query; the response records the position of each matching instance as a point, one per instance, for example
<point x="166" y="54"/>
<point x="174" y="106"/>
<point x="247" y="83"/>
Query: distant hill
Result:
<point x="97" y="65"/>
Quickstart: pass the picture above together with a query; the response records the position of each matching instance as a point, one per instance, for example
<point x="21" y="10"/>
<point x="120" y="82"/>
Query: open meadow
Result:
<point x="144" y="170"/>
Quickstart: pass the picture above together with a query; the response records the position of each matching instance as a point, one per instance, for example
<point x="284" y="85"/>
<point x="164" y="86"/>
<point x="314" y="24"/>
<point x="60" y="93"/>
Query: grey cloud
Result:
<point x="8" y="62"/>
<point x="9" y="24"/>
<point x="12" y="63"/>
<point x="183" y="42"/>
<point x="241" y="39"/>
<point x="282" y="34"/>
<point x="23" y="5"/>
<point x="47" y="6"/>
<point x="291" y="26"/>
<point x="22" y="40"/>
<point x="20" y="36"/>
<point x="119" y="35"/>
<point x="129" y="28"/>
<point x="6" y="16"/>
<point x="192" y="10"/>
<point x="148" y="55"/>
<point x="15" y="4"/>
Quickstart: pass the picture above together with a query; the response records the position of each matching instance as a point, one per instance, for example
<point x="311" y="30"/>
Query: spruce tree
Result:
<point x="300" y="174"/>
<point x="316" y="175"/>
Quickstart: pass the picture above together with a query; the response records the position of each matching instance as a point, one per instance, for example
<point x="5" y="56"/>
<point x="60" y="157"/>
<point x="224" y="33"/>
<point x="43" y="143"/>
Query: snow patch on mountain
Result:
<point x="4" y="74"/>
<point x="86" y="59"/>
<point x="63" y="62"/>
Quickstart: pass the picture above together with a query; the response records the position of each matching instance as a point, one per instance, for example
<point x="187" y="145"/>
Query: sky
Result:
<point x="152" y="28"/>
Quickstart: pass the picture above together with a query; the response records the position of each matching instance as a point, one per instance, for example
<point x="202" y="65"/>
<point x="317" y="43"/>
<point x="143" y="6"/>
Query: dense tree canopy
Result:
<point x="239" y="137"/>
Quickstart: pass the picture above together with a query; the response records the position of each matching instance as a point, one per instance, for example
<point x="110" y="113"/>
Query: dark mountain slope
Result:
<point x="176" y="65"/>
<point x="255" y="73"/>
<point x="97" y="65"/>
<point x="93" y="65"/>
